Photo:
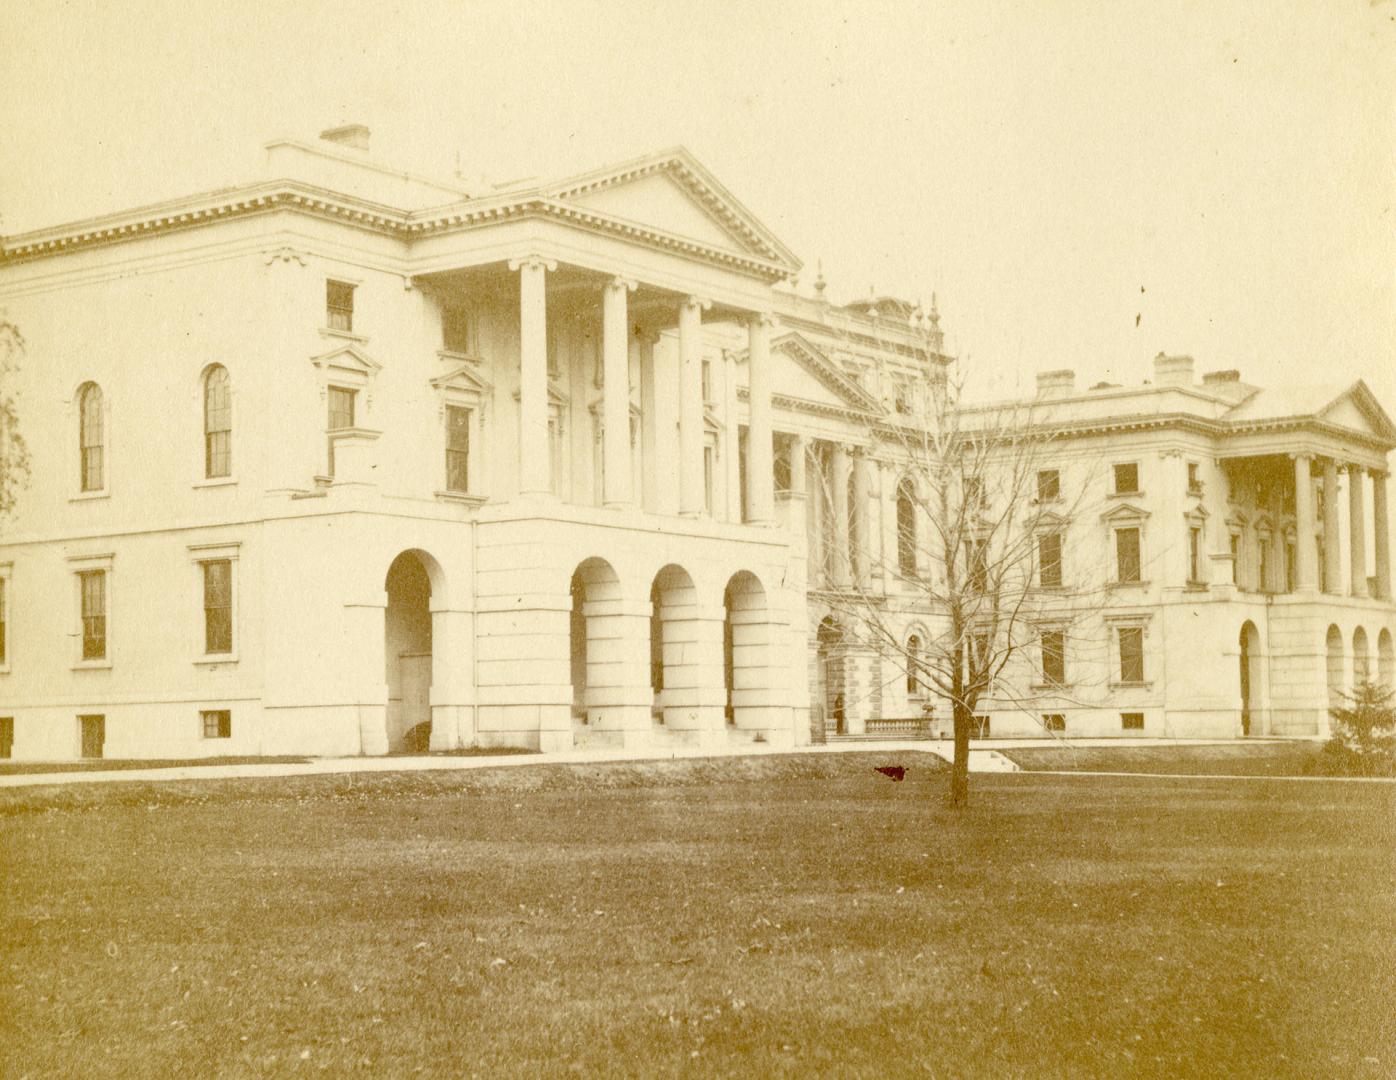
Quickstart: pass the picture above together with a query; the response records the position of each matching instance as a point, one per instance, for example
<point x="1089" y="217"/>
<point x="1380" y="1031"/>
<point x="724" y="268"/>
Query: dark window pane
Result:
<point x="339" y="305"/>
<point x="1127" y="554"/>
<point x="1132" y="721"/>
<point x="1049" y="485"/>
<point x="1127" y="478"/>
<point x="1049" y="550"/>
<point x="218" y="724"/>
<point x="94" y="615"/>
<point x="1054" y="656"/>
<point x="1131" y="654"/>
<point x="218" y="606"/>
<point x="455" y="328"/>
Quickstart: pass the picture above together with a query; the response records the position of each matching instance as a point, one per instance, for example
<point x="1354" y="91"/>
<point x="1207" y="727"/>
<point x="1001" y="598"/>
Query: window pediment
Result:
<point x="1125" y="513"/>
<point x="462" y="379"/>
<point x="347" y="360"/>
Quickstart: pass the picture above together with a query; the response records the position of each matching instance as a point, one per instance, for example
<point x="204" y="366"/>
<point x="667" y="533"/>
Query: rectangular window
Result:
<point x="977" y="564"/>
<point x="93" y="730"/>
<point x="457" y="448"/>
<point x="742" y="435"/>
<point x="1049" y="560"/>
<point x="1194" y="554"/>
<point x="218" y="606"/>
<point x="341" y="415"/>
<point x="1131" y="640"/>
<point x="781" y="464"/>
<point x="94" y="614"/>
<point x="218" y="724"/>
<point x="7" y="736"/>
<point x="707" y="381"/>
<point x="1054" y="721"/>
<point x="1049" y="485"/>
<point x="1289" y="569"/>
<point x="1054" y="657"/>
<point x="1127" y="555"/>
<point x="1132" y="721"/>
<point x="974" y="493"/>
<point x="1127" y="479"/>
<point x="339" y="305"/>
<point x="1235" y="545"/>
<point x="980" y="728"/>
<point x="455" y="328"/>
<point x="1264" y="584"/>
<point x="1194" y="478"/>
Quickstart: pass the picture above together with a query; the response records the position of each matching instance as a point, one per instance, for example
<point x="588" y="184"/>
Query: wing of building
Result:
<point x="346" y="461"/>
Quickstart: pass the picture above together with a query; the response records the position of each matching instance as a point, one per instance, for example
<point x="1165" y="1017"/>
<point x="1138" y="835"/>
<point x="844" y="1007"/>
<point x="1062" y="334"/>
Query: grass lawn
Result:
<point x="752" y="917"/>
<point x="11" y="768"/>
<point x="1250" y="759"/>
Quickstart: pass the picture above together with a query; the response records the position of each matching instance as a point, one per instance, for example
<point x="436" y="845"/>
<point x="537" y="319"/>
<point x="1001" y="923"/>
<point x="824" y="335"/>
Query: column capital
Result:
<point x="763" y="318"/>
<point x="1376" y="473"/>
<point x="1300" y="455"/>
<point x="702" y="303"/>
<point x="1352" y="468"/>
<point x="533" y="262"/>
<point x="618" y="282"/>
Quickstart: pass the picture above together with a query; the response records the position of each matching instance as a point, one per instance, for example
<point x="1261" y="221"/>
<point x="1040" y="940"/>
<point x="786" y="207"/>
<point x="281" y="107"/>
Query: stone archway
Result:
<point x="1386" y="659"/>
<point x="407" y="648"/>
<point x="686" y="670"/>
<point x="746" y="659"/>
<point x="1361" y="658"/>
<point x="607" y="668"/>
<point x="1251" y="668"/>
<point x="1334" y="648"/>
<point x="829" y="700"/>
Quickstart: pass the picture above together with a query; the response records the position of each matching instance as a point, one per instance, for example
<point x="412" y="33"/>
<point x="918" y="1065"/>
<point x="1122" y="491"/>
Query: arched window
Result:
<point x="906" y="530"/>
<point x="218" y="423"/>
<point x="90" y="437"/>
<point x="913" y="665"/>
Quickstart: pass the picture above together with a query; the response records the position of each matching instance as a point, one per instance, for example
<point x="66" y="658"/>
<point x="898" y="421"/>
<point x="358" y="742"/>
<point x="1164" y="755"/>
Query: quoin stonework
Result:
<point x="350" y="461"/>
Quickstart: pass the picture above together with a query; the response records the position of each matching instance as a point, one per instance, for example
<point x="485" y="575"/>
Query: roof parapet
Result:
<point x="1056" y="384"/>
<point x="1172" y="370"/>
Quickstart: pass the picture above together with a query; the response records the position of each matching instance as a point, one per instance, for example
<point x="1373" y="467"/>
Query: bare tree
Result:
<point x="980" y="554"/>
<point x="14" y="454"/>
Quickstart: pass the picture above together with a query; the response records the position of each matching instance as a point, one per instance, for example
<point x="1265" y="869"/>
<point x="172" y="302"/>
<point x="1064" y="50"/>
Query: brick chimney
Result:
<point x="1172" y="370"/>
<point x="353" y="136"/>
<point x="1055" y="384"/>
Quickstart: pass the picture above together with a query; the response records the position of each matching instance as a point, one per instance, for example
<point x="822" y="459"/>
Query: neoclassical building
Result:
<point x="351" y="461"/>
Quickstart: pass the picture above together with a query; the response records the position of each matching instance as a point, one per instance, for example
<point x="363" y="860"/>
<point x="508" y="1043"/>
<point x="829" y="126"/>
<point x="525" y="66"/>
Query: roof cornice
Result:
<point x="299" y="197"/>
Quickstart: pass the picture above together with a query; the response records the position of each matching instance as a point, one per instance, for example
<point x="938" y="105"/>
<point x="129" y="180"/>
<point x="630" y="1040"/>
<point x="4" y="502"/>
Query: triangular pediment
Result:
<point x="462" y="378"/>
<point x="348" y="358"/>
<point x="1357" y="408"/>
<point x="802" y="372"/>
<point x="671" y="192"/>
<point x="1125" y="512"/>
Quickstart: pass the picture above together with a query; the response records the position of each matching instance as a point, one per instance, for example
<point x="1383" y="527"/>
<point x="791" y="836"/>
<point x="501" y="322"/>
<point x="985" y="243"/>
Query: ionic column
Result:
<point x="760" y="478"/>
<point x="838" y="508"/>
<point x="1332" y="560"/>
<point x="1305" y="554"/>
<point x="1381" y="538"/>
<point x="535" y="460"/>
<point x="691" y="500"/>
<point x="862" y="490"/>
<point x="615" y="374"/>
<point x="1357" y="531"/>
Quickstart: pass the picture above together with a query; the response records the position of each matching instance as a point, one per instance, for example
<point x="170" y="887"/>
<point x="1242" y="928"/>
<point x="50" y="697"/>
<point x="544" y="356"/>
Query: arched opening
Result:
<point x="906" y="529"/>
<point x="745" y="647"/>
<point x="1335" y="667"/>
<point x="1250" y="681"/>
<point x="407" y="640"/>
<point x="1361" y="658"/>
<point x="218" y="423"/>
<point x="91" y="438"/>
<point x="595" y="648"/>
<point x="1386" y="659"/>
<point x="830" y="704"/>
<point x="677" y="647"/>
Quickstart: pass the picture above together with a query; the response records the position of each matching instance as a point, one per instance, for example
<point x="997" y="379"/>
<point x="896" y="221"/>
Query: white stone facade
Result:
<point x="347" y="461"/>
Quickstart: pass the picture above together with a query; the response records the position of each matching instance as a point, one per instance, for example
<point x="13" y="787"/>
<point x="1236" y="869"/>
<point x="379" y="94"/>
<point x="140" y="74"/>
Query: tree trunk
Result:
<point x="959" y="768"/>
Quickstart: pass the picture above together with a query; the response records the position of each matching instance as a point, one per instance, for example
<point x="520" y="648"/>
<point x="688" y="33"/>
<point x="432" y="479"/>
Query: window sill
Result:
<point x="88" y="496"/>
<point x="456" y="356"/>
<point x="1125" y="495"/>
<point x="466" y="497"/>
<point x="1127" y="585"/>
<point x="92" y="665"/>
<point x="215" y="481"/>
<point x="1197" y="491"/>
<point x="343" y="335"/>
<point x="1052" y="687"/>
<point x="1196" y="586"/>
<point x="210" y="660"/>
<point x="1115" y="685"/>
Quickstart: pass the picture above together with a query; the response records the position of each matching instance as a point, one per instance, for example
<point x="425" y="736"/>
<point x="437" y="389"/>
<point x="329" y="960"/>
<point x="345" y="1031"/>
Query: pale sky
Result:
<point x="1221" y="172"/>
